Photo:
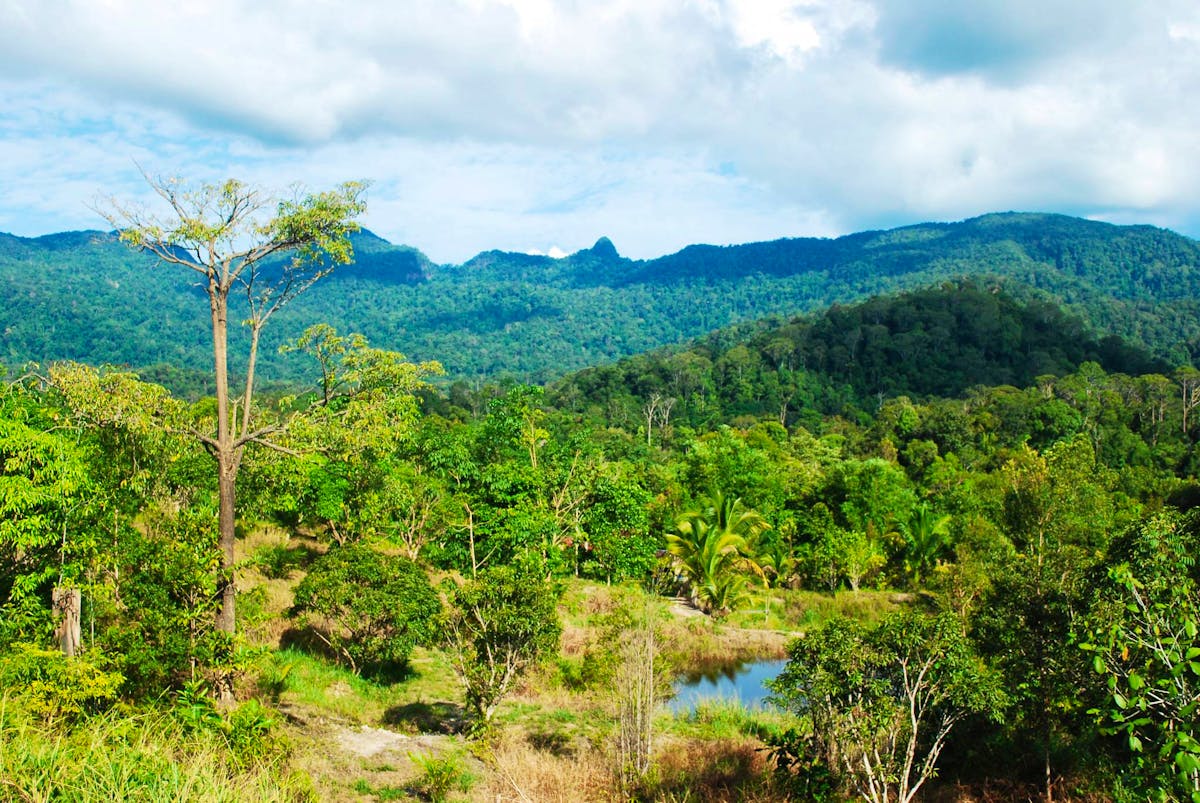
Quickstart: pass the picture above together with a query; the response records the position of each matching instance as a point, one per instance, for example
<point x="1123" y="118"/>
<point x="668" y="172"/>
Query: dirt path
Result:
<point x="366" y="742"/>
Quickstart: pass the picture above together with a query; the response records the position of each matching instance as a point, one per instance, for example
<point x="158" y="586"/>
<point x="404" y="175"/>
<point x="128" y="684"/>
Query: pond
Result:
<point x="741" y="683"/>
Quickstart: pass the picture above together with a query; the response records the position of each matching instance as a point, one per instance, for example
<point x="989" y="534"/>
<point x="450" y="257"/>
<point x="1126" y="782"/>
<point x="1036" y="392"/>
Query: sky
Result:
<point x="541" y="125"/>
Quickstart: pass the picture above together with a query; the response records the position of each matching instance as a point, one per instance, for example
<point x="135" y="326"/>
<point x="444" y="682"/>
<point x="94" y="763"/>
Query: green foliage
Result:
<point x="535" y="317"/>
<point x="1056" y="509"/>
<point x="1146" y="644"/>
<point x="441" y="775"/>
<point x="879" y="703"/>
<point x="47" y="494"/>
<point x="161" y="631"/>
<point x="136" y="755"/>
<point x="249" y="729"/>
<point x="994" y="506"/>
<point x="941" y="341"/>
<point x="370" y="609"/>
<point x="716" y="547"/>
<point x="801" y="769"/>
<point x="926" y="541"/>
<point x="496" y="627"/>
<point x="618" y="544"/>
<point x="54" y="687"/>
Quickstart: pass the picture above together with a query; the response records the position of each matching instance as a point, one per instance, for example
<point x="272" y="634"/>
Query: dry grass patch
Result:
<point x="714" y="771"/>
<point x="807" y="609"/>
<point x="521" y="770"/>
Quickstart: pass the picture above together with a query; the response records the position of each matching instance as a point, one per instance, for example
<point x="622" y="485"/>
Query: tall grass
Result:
<point x="129" y="757"/>
<point x="808" y="609"/>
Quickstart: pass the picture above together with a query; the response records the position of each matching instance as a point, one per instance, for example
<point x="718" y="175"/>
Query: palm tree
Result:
<point x="926" y="539"/>
<point x="777" y="562"/>
<point x="715" y="545"/>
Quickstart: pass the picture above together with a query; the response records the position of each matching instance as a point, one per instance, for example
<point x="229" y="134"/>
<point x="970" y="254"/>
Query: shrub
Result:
<point x="55" y="686"/>
<point x="499" y="624"/>
<point x="248" y="730"/>
<point x="440" y="776"/>
<point x="371" y="610"/>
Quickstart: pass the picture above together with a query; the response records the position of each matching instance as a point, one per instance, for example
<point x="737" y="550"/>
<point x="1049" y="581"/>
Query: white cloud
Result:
<point x="501" y="123"/>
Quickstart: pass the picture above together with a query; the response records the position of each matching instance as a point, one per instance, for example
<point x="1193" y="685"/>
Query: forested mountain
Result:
<point x="84" y="296"/>
<point x="928" y="343"/>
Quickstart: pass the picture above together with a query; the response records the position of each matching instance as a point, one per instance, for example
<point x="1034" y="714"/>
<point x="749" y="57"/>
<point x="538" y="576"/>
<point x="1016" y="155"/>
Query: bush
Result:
<point x="371" y="610"/>
<point x="440" y="776"/>
<point x="499" y="624"/>
<point x="55" y="686"/>
<point x="248" y="730"/>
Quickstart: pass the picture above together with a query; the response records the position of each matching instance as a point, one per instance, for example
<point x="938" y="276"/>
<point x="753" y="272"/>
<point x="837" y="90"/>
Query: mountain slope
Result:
<point x="82" y="295"/>
<point x="938" y="342"/>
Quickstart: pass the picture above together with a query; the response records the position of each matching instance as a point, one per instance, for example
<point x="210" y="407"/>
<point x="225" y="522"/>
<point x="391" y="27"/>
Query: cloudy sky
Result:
<point x="539" y="125"/>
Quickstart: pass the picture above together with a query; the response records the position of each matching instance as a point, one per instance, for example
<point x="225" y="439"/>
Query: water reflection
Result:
<point x="740" y="683"/>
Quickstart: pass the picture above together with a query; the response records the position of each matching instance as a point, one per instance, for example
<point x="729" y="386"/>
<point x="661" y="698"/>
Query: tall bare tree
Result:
<point x="240" y="240"/>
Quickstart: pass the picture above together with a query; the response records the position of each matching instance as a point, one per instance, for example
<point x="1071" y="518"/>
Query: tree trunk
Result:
<point x="227" y="457"/>
<point x="226" y="533"/>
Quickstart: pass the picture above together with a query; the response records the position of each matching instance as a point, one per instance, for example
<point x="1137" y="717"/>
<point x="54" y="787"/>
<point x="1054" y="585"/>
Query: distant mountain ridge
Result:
<point x="83" y="295"/>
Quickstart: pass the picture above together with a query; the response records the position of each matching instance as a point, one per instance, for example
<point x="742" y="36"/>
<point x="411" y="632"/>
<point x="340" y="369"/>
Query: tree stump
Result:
<point x="68" y="603"/>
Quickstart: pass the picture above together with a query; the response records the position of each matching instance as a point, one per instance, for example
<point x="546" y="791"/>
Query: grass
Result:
<point x="722" y="720"/>
<point x="733" y="769"/>
<point x="145" y="756"/>
<point x="808" y="609"/>
<point x="319" y="687"/>
<point x="520" y="770"/>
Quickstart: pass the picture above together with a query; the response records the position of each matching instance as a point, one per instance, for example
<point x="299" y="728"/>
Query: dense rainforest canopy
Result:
<point x="82" y="296"/>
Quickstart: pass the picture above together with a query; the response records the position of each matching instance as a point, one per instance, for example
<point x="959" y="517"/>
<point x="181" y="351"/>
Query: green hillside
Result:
<point x="940" y="342"/>
<point x="82" y="295"/>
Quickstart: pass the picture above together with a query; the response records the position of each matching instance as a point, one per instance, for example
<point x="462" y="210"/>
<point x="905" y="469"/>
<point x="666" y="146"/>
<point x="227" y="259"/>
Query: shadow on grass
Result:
<point x="278" y="561"/>
<point x="441" y="717"/>
<point x="306" y="639"/>
<point x="553" y="742"/>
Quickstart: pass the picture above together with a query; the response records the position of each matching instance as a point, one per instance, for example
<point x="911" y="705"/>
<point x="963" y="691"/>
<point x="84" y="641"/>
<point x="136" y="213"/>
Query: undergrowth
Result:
<point x="135" y="756"/>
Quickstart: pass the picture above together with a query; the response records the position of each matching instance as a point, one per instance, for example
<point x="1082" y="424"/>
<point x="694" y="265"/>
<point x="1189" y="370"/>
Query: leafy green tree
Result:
<point x="819" y="554"/>
<point x="157" y="620"/>
<point x="43" y="484"/>
<point x="81" y="458"/>
<point x="330" y="350"/>
<point x="495" y="627"/>
<point x="237" y="239"/>
<point x="1146" y="644"/>
<point x="363" y="418"/>
<point x="370" y="609"/>
<point x="874" y="495"/>
<point x="878" y="704"/>
<point x="859" y="555"/>
<point x="1056" y="511"/>
<point x="616" y="524"/>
